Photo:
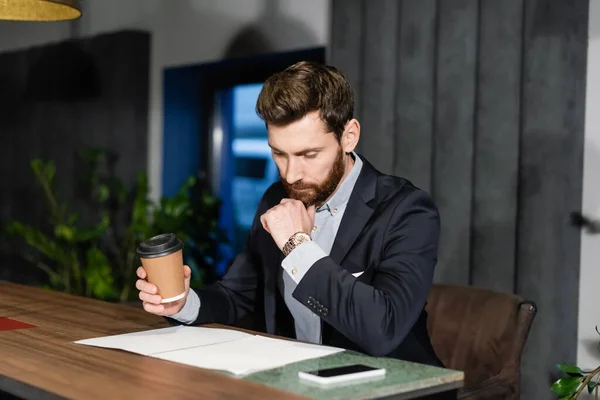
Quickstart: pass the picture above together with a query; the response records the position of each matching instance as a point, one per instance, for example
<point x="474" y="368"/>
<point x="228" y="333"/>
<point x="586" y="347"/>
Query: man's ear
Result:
<point x="350" y="136"/>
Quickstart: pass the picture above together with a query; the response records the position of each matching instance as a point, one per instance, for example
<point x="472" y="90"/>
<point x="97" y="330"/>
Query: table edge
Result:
<point x="390" y="393"/>
<point x="419" y="393"/>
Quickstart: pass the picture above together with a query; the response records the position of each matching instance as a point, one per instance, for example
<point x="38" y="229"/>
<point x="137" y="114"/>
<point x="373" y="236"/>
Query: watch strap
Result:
<point x="294" y="241"/>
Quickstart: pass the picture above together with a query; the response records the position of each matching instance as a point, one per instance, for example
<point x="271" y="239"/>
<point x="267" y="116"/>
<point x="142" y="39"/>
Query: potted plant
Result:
<point x="576" y="381"/>
<point x="91" y="252"/>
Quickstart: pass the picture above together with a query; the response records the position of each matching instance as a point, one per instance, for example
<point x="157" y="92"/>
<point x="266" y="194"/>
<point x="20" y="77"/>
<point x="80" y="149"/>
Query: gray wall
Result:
<point x="56" y="100"/>
<point x="482" y="104"/>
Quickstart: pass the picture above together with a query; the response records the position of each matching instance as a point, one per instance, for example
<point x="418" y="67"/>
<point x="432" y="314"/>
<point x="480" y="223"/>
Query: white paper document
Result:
<point x="220" y="349"/>
<point x="245" y="356"/>
<point x="165" y="339"/>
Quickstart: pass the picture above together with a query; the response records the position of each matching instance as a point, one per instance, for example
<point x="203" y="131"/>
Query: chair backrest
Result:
<point x="479" y="331"/>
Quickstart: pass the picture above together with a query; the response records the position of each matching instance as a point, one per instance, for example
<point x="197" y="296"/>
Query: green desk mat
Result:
<point x="401" y="377"/>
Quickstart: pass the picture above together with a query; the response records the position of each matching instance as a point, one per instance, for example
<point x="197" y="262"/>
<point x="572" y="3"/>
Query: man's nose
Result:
<point x="293" y="172"/>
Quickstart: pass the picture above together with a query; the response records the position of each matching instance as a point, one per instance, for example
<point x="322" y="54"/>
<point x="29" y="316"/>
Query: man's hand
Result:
<point x="152" y="301"/>
<point x="287" y="218"/>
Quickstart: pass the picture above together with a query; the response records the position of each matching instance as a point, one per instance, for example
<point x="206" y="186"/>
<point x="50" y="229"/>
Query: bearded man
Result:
<point x="338" y="253"/>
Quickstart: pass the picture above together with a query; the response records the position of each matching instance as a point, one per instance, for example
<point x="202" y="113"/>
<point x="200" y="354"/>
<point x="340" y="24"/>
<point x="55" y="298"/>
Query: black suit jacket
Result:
<point x="390" y="230"/>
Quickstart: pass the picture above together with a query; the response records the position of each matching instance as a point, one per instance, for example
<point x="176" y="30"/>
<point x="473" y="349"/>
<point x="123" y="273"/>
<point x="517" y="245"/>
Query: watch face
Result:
<point x="301" y="237"/>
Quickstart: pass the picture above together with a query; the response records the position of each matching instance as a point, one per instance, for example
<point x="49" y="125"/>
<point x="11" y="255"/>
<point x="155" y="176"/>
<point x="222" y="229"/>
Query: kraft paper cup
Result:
<point x="162" y="258"/>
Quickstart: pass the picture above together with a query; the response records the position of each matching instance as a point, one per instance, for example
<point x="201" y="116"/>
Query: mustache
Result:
<point x="302" y="187"/>
<point x="298" y="185"/>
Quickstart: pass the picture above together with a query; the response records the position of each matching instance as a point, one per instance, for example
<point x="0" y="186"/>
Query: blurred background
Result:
<point x="138" y="118"/>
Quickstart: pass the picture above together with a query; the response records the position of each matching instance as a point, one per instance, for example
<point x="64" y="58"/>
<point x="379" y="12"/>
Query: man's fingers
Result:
<point x="290" y="203"/>
<point x="187" y="271"/>
<point x="263" y="221"/>
<point x="141" y="273"/>
<point x="150" y="298"/>
<point x="144" y="286"/>
<point x="153" y="308"/>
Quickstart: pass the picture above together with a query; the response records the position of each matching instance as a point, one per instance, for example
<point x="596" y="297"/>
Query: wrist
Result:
<point x="294" y="241"/>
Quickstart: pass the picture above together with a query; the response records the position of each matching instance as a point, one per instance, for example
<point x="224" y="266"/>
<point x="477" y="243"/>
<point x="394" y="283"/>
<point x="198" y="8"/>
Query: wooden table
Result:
<point x="44" y="363"/>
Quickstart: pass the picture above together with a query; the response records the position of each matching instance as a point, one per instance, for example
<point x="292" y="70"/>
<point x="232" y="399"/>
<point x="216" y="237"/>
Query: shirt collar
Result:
<point x="342" y="194"/>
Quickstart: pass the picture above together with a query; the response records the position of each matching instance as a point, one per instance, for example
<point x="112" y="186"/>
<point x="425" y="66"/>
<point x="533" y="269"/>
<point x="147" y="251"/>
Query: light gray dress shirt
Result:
<point x="327" y="221"/>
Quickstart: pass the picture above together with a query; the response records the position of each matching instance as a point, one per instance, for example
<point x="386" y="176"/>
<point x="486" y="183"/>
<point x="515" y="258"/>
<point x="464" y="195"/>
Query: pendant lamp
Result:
<point x="39" y="10"/>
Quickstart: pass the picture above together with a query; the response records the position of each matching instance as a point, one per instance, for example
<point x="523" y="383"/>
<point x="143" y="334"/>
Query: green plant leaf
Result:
<point x="38" y="240"/>
<point x="567" y="386"/>
<point x="591" y="385"/>
<point x="570" y="369"/>
<point x="94" y="233"/>
<point x="44" y="170"/>
<point x="98" y="275"/>
<point x="139" y="218"/>
<point x="103" y="193"/>
<point x="64" y="232"/>
<point x="118" y="191"/>
<point x="73" y="219"/>
<point x="56" y="282"/>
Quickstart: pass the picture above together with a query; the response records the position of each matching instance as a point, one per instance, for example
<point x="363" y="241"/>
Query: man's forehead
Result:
<point x="300" y="141"/>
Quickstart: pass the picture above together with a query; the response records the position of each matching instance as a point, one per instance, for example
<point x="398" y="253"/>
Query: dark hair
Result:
<point x="289" y="95"/>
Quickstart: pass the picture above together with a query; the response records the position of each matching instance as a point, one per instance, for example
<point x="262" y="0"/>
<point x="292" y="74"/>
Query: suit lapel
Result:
<point x="358" y="212"/>
<point x="352" y="224"/>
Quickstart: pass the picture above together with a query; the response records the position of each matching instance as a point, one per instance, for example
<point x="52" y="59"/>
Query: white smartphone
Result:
<point x="344" y="374"/>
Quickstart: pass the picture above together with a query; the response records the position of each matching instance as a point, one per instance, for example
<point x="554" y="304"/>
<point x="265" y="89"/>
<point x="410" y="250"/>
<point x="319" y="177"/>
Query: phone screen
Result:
<point x="349" y="369"/>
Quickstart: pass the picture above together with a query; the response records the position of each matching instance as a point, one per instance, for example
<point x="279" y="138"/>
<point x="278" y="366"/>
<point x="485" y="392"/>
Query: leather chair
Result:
<point x="482" y="333"/>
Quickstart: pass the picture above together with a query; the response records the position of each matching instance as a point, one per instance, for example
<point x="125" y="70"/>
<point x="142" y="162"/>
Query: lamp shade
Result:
<point x="39" y="10"/>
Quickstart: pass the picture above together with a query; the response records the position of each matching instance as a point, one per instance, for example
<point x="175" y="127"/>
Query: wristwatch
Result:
<point x="294" y="241"/>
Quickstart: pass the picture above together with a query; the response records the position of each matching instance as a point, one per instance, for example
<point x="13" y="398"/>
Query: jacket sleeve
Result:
<point x="377" y="316"/>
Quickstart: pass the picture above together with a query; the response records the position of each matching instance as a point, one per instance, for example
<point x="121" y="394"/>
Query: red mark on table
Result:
<point x="9" y="324"/>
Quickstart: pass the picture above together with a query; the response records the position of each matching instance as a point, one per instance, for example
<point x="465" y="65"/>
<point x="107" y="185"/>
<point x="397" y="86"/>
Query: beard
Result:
<point x="317" y="194"/>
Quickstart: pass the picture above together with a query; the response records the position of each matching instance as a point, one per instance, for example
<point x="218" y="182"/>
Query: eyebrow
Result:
<point x="299" y="153"/>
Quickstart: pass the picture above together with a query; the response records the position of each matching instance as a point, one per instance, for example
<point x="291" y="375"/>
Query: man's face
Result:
<point x="310" y="159"/>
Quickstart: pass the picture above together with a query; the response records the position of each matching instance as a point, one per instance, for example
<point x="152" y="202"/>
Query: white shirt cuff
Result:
<point x="299" y="261"/>
<point x="190" y="310"/>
